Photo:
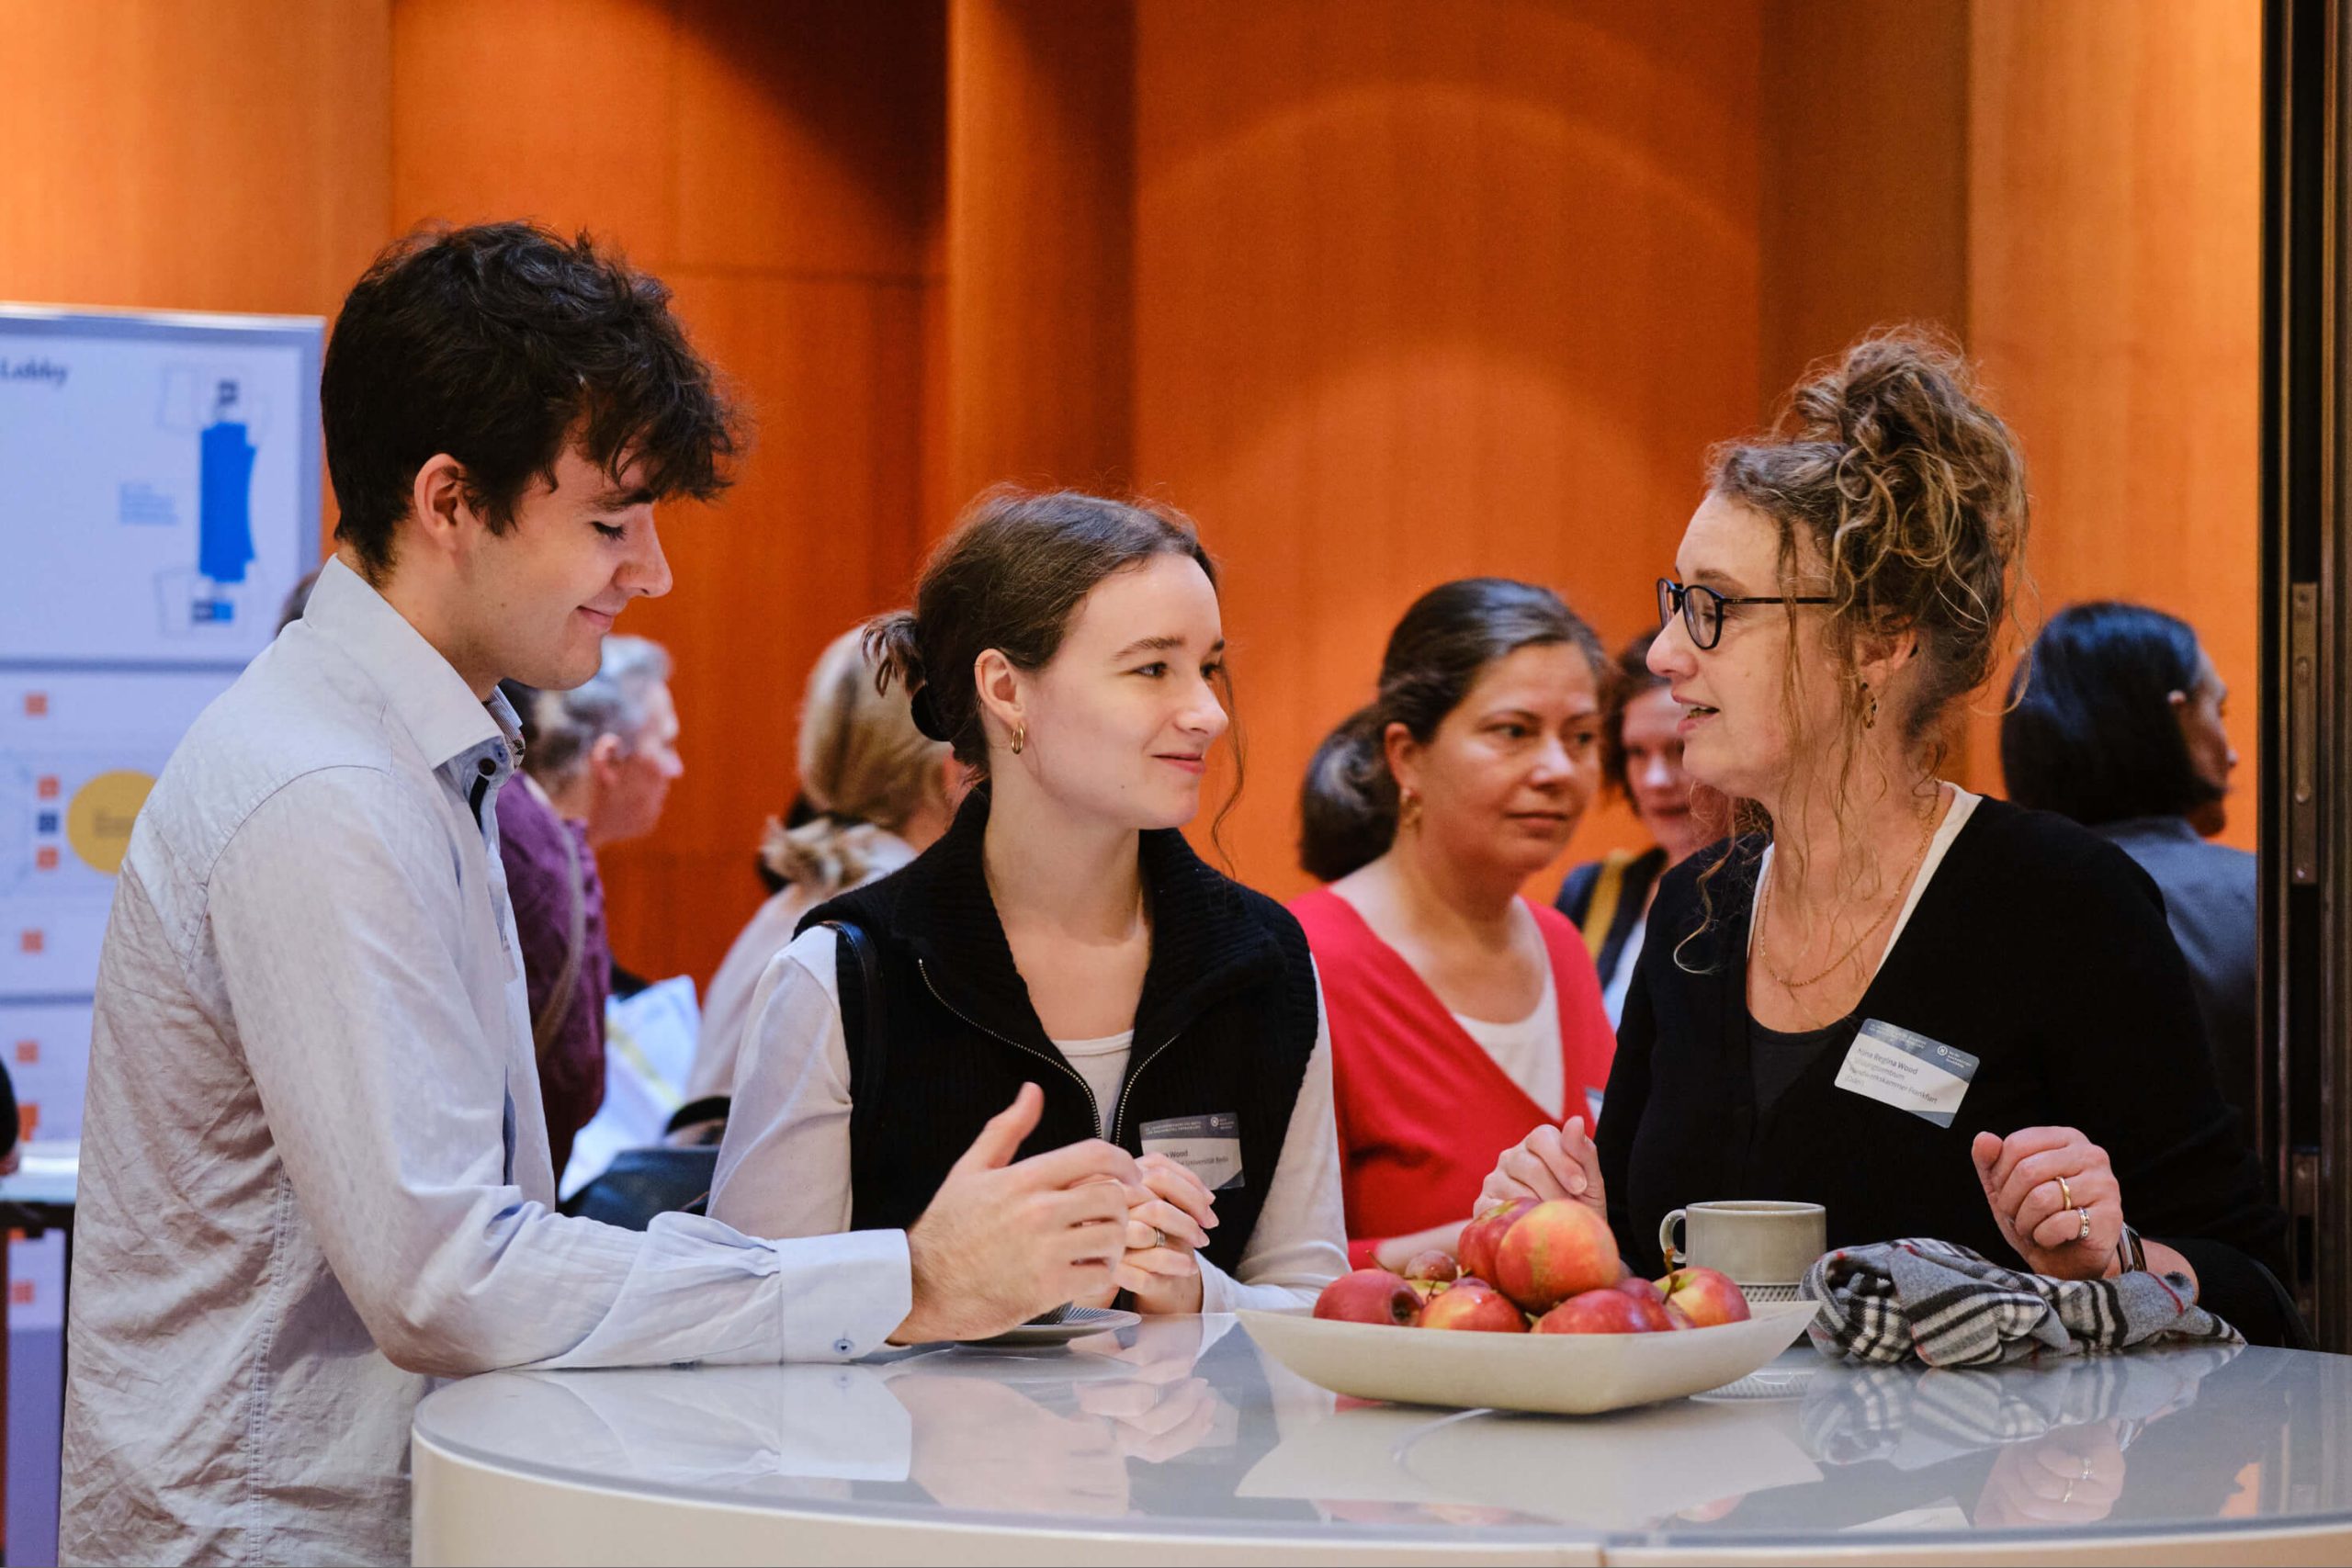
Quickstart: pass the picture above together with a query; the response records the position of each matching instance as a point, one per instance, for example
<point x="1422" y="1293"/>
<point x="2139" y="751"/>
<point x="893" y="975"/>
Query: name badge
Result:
<point x="1909" y="1071"/>
<point x="1209" y="1146"/>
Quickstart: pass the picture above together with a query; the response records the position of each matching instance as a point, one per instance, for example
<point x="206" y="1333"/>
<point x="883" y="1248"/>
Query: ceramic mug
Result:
<point x="1756" y="1241"/>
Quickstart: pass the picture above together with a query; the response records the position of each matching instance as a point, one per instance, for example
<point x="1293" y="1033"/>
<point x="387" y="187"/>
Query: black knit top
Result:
<point x="2038" y="947"/>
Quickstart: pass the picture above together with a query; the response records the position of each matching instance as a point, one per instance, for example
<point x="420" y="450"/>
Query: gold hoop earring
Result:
<point x="1409" y="811"/>
<point x="1020" y="737"/>
<point x="1870" y="713"/>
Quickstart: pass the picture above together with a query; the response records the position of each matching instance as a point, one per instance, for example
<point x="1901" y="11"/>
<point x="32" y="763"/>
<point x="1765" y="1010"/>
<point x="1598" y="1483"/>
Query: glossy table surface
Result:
<point x="1180" y="1435"/>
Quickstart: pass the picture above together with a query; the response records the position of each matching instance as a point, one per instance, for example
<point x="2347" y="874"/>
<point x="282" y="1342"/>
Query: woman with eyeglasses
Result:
<point x="1934" y="1015"/>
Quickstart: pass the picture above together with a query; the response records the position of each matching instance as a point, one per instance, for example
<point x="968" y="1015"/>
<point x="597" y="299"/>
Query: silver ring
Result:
<point x="1159" y="1237"/>
<point x="2070" y="1493"/>
<point x="2085" y="1234"/>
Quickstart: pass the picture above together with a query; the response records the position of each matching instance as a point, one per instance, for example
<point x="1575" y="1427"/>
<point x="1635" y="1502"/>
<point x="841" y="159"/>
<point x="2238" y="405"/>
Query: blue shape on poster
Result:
<point x="224" y="520"/>
<point x="47" y="823"/>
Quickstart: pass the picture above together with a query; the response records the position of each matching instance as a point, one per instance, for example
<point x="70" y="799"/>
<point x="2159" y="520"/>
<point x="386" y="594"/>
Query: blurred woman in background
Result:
<point x="2116" y="720"/>
<point x="1460" y="1013"/>
<point x="597" y="764"/>
<point x="878" y="794"/>
<point x="1641" y="759"/>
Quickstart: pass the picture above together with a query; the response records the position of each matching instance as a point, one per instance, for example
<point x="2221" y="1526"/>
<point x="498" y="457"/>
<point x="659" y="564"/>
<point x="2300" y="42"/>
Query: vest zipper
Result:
<point x="1061" y="1062"/>
<point x="1119" y="1118"/>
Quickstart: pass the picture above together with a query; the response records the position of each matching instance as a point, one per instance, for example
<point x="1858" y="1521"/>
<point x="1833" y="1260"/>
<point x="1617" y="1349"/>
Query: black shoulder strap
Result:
<point x="864" y="1028"/>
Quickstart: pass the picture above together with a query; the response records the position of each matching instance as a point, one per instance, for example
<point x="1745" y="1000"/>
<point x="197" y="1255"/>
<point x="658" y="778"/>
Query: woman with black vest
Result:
<point x="1934" y="1015"/>
<point x="1063" y="934"/>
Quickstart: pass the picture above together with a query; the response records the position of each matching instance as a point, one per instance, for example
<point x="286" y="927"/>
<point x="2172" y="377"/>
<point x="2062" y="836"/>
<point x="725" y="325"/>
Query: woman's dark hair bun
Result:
<point x="1348" y="809"/>
<point x="926" y="714"/>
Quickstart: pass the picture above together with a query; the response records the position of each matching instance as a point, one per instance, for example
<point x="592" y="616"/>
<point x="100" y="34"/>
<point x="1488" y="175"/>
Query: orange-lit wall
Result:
<point x="1424" y="293"/>
<point x="2115" y="299"/>
<point x="1383" y="292"/>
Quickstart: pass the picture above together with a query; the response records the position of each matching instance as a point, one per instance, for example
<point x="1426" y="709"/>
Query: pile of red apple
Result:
<point x="1549" y="1267"/>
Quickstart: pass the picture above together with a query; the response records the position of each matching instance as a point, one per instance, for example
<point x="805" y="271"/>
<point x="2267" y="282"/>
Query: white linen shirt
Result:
<point x="314" y="1164"/>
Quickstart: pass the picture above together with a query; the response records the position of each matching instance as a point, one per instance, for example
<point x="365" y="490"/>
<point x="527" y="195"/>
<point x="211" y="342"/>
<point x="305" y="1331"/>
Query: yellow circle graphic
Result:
<point x="97" y="824"/>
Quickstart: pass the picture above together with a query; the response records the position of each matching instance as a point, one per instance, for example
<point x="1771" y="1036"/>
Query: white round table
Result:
<point x="1179" y="1442"/>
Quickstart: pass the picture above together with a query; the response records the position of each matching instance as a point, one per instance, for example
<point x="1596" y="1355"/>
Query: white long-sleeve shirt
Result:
<point x="314" y="1165"/>
<point x="785" y="1166"/>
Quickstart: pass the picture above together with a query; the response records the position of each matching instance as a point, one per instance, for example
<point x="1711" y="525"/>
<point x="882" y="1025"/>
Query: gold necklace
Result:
<point x="1763" y="937"/>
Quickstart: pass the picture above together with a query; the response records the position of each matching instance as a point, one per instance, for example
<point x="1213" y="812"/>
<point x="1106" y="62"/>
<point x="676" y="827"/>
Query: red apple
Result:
<point x="1478" y="1238"/>
<point x="1605" y="1311"/>
<point x="1641" y="1290"/>
<point x="1472" y="1304"/>
<point x="1554" y="1251"/>
<point x="1433" y="1266"/>
<point x="1705" y="1297"/>
<point x="1368" y="1295"/>
<point x="1677" y="1318"/>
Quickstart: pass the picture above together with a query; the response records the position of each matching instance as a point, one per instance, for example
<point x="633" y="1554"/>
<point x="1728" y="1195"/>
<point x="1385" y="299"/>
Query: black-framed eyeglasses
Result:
<point x="1702" y="608"/>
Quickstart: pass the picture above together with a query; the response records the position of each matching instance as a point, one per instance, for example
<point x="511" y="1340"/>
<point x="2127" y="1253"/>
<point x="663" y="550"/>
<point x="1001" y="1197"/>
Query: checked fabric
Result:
<point x="1948" y="1307"/>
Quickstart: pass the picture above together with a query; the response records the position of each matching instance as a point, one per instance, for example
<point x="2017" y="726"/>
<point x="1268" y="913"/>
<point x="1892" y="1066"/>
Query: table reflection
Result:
<point x="1182" y="1418"/>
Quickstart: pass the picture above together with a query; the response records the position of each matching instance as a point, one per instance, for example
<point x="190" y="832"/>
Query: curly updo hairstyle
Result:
<point x="1348" y="805"/>
<point x="1911" y="493"/>
<point x="1010" y="577"/>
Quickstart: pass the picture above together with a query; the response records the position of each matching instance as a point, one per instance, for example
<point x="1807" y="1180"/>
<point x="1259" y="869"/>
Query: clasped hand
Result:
<point x="1160" y="1270"/>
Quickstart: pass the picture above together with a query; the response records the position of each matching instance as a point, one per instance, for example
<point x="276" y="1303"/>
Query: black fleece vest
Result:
<point x="1224" y="1026"/>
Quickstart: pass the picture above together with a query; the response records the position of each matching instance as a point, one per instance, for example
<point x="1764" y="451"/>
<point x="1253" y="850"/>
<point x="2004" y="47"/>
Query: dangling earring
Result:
<point x="1870" y="713"/>
<point x="1020" y="737"/>
<point x="1409" y="810"/>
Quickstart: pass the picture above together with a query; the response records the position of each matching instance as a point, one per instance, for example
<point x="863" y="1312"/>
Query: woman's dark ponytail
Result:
<point x="1347" y="811"/>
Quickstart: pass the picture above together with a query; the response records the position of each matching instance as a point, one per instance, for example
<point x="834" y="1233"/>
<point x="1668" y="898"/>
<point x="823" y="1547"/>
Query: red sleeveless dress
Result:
<point x="1423" y="1111"/>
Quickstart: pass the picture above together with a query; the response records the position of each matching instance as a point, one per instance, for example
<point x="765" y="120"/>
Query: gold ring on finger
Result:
<point x="1159" y="1237"/>
<point x="2065" y="1194"/>
<point x="2084" y="1234"/>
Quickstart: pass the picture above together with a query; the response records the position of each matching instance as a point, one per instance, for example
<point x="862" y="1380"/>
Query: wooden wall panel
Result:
<point x="781" y="169"/>
<point x="558" y="110"/>
<point x="1864" y="177"/>
<point x="2115" y="278"/>
<point x="1423" y="292"/>
<point x="1038" y="356"/>
<point x="229" y="156"/>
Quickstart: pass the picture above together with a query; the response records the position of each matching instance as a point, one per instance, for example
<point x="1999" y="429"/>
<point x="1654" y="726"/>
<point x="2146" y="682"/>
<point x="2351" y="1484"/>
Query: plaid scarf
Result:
<point x="1949" y="1307"/>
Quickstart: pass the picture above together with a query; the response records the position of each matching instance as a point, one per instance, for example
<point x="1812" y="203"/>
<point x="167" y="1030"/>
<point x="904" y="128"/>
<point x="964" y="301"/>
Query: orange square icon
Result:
<point x="45" y="857"/>
<point x="46" y="787"/>
<point x="20" y="1292"/>
<point x="31" y="941"/>
<point x="27" y="1053"/>
<point x="35" y="704"/>
<point x="28" y="1120"/>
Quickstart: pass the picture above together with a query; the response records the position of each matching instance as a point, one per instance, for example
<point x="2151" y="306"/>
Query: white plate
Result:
<point x="1075" y="1323"/>
<point x="1560" y="1374"/>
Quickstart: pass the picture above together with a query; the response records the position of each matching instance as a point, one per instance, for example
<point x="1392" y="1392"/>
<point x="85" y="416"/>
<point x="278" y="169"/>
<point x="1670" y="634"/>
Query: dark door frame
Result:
<point x="2304" y="1110"/>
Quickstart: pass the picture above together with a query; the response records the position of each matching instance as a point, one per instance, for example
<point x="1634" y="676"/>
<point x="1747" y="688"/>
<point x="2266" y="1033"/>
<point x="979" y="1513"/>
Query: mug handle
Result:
<point x="1675" y="1257"/>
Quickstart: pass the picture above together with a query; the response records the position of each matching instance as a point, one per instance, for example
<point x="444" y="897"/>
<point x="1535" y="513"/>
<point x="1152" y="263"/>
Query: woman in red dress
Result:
<point x="1462" y="1015"/>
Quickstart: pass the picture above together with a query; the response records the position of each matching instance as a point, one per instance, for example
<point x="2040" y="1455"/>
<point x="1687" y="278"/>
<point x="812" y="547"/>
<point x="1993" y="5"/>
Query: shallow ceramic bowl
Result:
<point x="1559" y="1374"/>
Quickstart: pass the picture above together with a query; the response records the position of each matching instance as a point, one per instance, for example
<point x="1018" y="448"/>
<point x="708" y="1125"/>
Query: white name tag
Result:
<point x="1909" y="1071"/>
<point x="1209" y="1146"/>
